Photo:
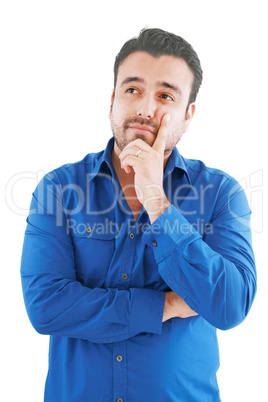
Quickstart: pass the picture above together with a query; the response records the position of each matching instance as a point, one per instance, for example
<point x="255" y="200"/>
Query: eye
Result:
<point x="167" y="97"/>
<point x="132" y="90"/>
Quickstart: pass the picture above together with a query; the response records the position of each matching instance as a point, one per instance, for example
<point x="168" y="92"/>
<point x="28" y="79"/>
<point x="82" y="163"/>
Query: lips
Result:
<point x="143" y="129"/>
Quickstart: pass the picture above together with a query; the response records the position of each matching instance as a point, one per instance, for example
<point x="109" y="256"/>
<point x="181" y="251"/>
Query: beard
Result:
<point x="122" y="139"/>
<point x="120" y="132"/>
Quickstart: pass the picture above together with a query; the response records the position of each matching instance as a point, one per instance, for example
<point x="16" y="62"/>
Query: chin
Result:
<point x="144" y="138"/>
<point x="123" y="142"/>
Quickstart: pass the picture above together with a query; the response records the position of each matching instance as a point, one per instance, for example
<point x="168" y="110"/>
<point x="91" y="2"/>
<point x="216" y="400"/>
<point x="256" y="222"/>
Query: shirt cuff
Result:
<point x="168" y="232"/>
<point x="148" y="310"/>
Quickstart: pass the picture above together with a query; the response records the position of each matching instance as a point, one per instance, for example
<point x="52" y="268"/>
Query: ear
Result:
<point x="112" y="101"/>
<point x="189" y="115"/>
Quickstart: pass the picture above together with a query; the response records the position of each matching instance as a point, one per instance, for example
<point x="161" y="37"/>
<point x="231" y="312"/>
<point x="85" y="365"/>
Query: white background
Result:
<point x="56" y="80"/>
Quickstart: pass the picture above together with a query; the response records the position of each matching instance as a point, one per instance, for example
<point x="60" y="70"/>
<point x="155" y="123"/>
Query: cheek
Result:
<point x="119" y="112"/>
<point x="178" y="121"/>
<point x="175" y="131"/>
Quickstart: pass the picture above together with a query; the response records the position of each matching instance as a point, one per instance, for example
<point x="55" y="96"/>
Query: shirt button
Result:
<point x="119" y="400"/>
<point x="119" y="358"/>
<point x="125" y="276"/>
<point x="131" y="236"/>
<point x="155" y="243"/>
<point x="88" y="229"/>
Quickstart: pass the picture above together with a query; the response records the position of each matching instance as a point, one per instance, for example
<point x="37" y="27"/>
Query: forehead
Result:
<point x="154" y="69"/>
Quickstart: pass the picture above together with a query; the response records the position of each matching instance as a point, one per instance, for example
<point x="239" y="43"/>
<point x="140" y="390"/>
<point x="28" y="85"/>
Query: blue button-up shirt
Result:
<point x="94" y="280"/>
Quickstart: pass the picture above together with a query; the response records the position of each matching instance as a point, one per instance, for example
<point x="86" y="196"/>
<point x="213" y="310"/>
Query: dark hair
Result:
<point x="157" y="42"/>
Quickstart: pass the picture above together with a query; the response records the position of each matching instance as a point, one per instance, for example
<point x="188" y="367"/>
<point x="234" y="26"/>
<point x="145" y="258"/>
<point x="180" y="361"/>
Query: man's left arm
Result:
<point x="215" y="273"/>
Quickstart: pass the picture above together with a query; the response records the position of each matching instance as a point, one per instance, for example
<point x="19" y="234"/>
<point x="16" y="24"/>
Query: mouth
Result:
<point x="141" y="129"/>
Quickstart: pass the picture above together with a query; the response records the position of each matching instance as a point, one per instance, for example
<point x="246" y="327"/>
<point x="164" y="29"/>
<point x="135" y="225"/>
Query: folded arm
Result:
<point x="215" y="273"/>
<point x="58" y="304"/>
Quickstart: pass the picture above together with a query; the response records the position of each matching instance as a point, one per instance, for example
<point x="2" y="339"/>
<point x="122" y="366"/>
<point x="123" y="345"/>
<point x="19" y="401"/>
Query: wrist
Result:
<point x="157" y="207"/>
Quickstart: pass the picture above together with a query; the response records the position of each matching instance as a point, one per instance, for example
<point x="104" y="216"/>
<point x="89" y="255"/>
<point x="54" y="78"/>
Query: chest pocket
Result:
<point x="94" y="246"/>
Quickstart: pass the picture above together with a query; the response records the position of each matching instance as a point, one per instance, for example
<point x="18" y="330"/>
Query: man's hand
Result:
<point x="148" y="168"/>
<point x="175" y="306"/>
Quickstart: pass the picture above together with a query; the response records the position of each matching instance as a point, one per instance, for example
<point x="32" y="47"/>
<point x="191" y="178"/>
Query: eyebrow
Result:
<point x="132" y="79"/>
<point x="164" y="84"/>
<point x="168" y="85"/>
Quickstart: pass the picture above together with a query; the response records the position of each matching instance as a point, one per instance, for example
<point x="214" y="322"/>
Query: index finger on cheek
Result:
<point x="160" y="141"/>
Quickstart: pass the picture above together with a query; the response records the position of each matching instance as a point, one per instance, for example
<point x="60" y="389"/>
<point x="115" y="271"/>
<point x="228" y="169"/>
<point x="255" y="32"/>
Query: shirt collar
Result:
<point x="104" y="162"/>
<point x="175" y="161"/>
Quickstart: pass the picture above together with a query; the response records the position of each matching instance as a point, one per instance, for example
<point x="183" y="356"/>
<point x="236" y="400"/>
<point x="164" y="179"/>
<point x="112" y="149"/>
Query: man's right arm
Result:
<point x="58" y="304"/>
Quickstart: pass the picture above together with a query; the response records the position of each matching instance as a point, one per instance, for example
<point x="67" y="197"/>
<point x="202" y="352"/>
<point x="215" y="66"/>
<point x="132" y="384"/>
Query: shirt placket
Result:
<point x="120" y="348"/>
<point x="120" y="371"/>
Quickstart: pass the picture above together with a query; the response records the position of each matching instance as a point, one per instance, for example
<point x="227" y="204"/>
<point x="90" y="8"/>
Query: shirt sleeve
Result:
<point x="58" y="304"/>
<point x="214" y="273"/>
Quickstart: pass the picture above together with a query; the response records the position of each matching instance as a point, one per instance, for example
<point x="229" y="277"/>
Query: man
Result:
<point x="134" y="256"/>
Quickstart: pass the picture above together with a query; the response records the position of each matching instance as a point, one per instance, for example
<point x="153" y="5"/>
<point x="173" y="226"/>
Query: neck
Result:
<point x="123" y="177"/>
<point x="126" y="181"/>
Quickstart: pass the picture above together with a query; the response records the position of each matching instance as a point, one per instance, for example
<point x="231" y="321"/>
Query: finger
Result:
<point x="133" y="147"/>
<point x="160" y="141"/>
<point x="130" y="151"/>
<point x="127" y="169"/>
<point x="129" y="163"/>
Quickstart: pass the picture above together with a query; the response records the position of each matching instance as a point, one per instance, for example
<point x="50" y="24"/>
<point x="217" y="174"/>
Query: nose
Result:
<point x="147" y="107"/>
